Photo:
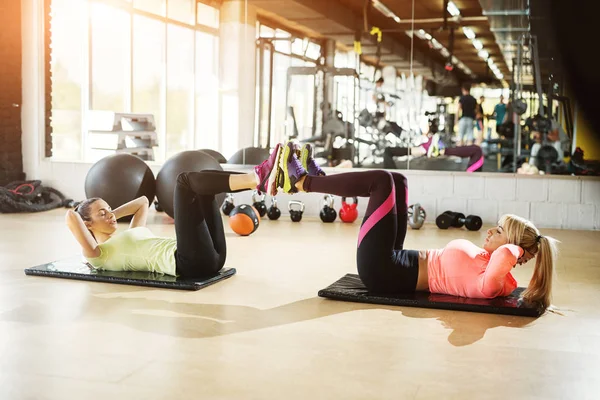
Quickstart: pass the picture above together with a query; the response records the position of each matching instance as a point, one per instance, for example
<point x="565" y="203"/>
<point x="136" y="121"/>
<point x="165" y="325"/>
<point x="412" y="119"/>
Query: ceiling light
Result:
<point x="436" y="44"/>
<point x="428" y="36"/>
<point x="490" y="62"/>
<point x="477" y="44"/>
<point x="385" y="11"/>
<point x="468" y="32"/>
<point x="445" y="52"/>
<point x="483" y="54"/>
<point x="452" y="9"/>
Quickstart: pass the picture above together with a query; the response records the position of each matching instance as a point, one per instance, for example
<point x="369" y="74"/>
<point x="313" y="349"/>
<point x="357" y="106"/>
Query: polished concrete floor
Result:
<point x="264" y="333"/>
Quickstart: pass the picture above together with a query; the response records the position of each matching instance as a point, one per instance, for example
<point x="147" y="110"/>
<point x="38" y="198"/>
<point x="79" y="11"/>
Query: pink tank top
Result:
<point x="463" y="269"/>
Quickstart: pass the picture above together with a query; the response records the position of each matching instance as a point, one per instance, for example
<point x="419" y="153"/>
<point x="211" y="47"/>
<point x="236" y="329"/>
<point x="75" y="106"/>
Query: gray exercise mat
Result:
<point x="78" y="268"/>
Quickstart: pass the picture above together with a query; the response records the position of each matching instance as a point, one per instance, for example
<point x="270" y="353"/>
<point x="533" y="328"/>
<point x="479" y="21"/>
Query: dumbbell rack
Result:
<point x="135" y="134"/>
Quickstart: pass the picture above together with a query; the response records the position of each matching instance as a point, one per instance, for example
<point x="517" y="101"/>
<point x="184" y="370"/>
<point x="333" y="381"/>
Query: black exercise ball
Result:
<point x="186" y="161"/>
<point x="249" y="156"/>
<point x="216" y="155"/>
<point x="120" y="178"/>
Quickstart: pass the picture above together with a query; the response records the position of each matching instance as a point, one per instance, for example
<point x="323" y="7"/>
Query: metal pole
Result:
<point x="538" y="77"/>
<point x="261" y="79"/>
<point x="271" y="59"/>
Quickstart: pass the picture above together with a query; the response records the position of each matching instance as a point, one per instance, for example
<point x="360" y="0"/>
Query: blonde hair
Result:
<point x="545" y="250"/>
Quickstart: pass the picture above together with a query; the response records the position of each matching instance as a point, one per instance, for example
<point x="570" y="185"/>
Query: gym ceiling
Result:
<point x="493" y="27"/>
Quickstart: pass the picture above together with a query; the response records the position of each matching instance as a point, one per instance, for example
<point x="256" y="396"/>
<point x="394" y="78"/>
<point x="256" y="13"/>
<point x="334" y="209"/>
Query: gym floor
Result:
<point x="265" y="334"/>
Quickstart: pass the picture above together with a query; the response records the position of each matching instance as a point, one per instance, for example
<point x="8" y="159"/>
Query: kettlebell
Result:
<point x="416" y="216"/>
<point x="348" y="212"/>
<point x="328" y="213"/>
<point x="274" y="212"/>
<point x="228" y="204"/>
<point x="260" y="205"/>
<point x="296" y="215"/>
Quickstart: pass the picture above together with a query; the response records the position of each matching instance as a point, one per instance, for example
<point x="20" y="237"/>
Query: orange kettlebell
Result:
<point x="348" y="212"/>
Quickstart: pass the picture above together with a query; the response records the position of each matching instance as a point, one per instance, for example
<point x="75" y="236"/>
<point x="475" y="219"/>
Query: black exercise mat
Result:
<point x="351" y="288"/>
<point x="78" y="268"/>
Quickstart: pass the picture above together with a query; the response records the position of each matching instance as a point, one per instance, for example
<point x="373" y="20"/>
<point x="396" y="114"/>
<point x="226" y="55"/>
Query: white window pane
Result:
<point x="181" y="10"/>
<point x="207" y="15"/>
<point x="149" y="73"/>
<point x="180" y="89"/>
<point x="207" y="91"/>
<point x="68" y="74"/>
<point x="158" y="7"/>
<point x="110" y="58"/>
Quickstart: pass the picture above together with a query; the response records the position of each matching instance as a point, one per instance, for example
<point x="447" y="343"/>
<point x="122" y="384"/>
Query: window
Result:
<point x="68" y="74"/>
<point x="180" y="89"/>
<point x="110" y="58"/>
<point x="156" y="57"/>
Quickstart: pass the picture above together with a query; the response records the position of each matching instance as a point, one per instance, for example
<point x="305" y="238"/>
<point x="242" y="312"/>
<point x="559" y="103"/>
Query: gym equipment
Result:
<point x="244" y="220"/>
<point x="216" y="155"/>
<point x="228" y="204"/>
<point x="546" y="158"/>
<point x="120" y="178"/>
<point x="350" y="288"/>
<point x="416" y="216"/>
<point x="328" y="213"/>
<point x="260" y="205"/>
<point x="78" y="268"/>
<point x="457" y="220"/>
<point x="273" y="212"/>
<point x="296" y="215"/>
<point x="186" y="161"/>
<point x="249" y="156"/>
<point x="31" y="196"/>
<point x="348" y="212"/>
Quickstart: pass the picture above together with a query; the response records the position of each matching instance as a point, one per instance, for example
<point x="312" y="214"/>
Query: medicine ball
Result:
<point x="120" y="178"/>
<point x="185" y="161"/>
<point x="244" y="220"/>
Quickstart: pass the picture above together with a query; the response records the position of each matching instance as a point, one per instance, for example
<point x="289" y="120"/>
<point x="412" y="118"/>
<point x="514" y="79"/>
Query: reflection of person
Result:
<point x="479" y="119"/>
<point x="467" y="107"/>
<point x="461" y="268"/>
<point x="434" y="147"/>
<point x="499" y="113"/>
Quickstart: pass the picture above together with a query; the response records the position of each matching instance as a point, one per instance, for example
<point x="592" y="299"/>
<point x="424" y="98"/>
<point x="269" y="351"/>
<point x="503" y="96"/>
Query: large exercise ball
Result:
<point x="186" y="161"/>
<point x="120" y="178"/>
<point x="216" y="155"/>
<point x="249" y="155"/>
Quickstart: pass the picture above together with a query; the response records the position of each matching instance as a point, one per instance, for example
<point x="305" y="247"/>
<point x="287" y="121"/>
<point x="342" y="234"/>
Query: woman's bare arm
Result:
<point x="137" y="207"/>
<point x="88" y="244"/>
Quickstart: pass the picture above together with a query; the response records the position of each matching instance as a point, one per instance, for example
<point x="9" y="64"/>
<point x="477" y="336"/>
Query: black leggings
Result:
<point x="201" y="248"/>
<point x="383" y="265"/>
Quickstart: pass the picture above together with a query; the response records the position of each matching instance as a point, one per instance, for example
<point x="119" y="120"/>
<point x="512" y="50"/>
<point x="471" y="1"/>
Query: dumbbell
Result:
<point x="449" y="218"/>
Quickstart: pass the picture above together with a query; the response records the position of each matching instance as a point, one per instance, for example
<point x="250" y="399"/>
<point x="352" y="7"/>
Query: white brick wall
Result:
<point x="487" y="210"/>
<point x="469" y="187"/>
<point x="520" y="208"/>
<point x="501" y="188"/>
<point x="547" y="215"/>
<point x="590" y="192"/>
<point x="579" y="216"/>
<point x="441" y="185"/>
<point x="532" y="189"/>
<point x="564" y="191"/>
<point x="597" y="223"/>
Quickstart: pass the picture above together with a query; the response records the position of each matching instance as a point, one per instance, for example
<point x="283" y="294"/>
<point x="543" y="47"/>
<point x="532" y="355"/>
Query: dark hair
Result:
<point x="380" y="80"/>
<point x="466" y="86"/>
<point x="85" y="208"/>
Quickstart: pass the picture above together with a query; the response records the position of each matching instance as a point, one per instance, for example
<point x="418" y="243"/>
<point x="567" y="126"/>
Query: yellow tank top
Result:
<point x="137" y="249"/>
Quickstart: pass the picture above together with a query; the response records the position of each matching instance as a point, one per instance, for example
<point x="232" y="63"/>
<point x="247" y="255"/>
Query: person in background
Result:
<point x="499" y="113"/>
<point x="479" y="119"/>
<point x="467" y="106"/>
